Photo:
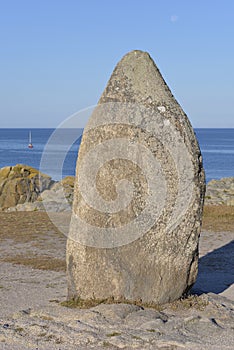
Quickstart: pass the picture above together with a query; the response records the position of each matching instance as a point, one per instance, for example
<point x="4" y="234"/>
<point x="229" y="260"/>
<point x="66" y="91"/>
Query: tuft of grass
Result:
<point x="113" y="334"/>
<point x="82" y="303"/>
<point x="19" y="329"/>
<point x="191" y="301"/>
<point x="92" y="302"/>
<point x="43" y="334"/>
<point x="136" y="337"/>
<point x="218" y="218"/>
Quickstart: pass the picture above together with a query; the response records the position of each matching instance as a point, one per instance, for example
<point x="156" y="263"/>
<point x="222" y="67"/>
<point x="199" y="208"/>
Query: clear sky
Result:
<point x="56" y="56"/>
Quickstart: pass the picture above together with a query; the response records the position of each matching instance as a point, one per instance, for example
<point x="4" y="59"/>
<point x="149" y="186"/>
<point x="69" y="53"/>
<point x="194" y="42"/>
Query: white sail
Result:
<point x="30" y="145"/>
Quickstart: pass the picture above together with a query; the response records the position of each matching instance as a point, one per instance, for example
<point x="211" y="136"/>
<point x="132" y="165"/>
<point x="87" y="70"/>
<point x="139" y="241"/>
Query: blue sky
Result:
<point x="56" y="56"/>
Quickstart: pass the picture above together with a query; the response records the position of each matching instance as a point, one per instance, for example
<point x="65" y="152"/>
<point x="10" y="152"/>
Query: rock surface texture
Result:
<point x="20" y="184"/>
<point x="208" y="325"/>
<point x="220" y="192"/>
<point x="139" y="193"/>
<point x="57" y="198"/>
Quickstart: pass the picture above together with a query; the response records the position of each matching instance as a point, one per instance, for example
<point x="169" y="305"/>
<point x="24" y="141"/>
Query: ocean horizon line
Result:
<point x="216" y="144"/>
<point x="54" y="128"/>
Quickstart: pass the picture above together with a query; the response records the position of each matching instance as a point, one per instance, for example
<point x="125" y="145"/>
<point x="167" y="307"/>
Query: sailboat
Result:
<point x="30" y="145"/>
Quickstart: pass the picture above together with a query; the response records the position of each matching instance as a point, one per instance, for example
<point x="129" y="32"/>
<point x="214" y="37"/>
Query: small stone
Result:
<point x="162" y="109"/>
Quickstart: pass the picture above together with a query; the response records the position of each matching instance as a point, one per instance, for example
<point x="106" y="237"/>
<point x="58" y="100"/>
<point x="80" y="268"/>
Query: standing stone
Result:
<point x="139" y="193"/>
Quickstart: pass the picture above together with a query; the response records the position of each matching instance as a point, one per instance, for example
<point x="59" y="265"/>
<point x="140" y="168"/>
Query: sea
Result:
<point x="55" y="153"/>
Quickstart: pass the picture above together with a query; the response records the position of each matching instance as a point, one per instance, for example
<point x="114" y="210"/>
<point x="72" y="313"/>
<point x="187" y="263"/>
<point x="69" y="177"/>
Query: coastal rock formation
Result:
<point x="139" y="193"/>
<point x="220" y="192"/>
<point x="57" y="198"/>
<point x="20" y="184"/>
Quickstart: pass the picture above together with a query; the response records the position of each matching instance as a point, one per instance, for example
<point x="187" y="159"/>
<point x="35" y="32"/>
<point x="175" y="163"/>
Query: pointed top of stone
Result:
<point x="136" y="78"/>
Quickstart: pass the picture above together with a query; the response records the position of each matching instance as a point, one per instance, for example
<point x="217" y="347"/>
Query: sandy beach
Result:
<point x="33" y="283"/>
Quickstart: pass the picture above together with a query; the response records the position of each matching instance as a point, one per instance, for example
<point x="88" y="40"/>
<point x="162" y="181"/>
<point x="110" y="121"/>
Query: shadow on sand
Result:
<point x="216" y="270"/>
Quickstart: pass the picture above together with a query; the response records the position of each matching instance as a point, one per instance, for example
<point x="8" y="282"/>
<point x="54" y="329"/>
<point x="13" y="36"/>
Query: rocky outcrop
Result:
<point x="20" y="184"/>
<point x="58" y="198"/>
<point x="220" y="192"/>
<point x="138" y="202"/>
<point x="202" y="323"/>
<point x="20" y="191"/>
